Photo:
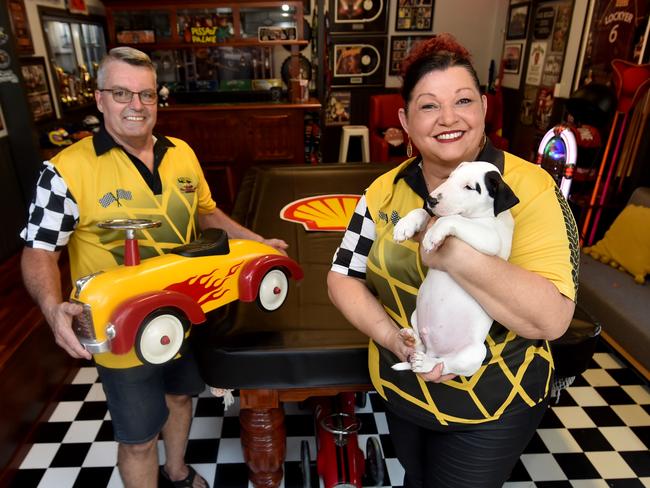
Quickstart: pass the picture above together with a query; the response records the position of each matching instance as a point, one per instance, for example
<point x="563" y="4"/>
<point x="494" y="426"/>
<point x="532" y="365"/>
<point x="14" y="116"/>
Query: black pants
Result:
<point x="478" y="458"/>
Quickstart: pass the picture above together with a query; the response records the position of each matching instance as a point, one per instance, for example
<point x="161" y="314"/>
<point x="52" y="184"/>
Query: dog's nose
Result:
<point x="431" y="201"/>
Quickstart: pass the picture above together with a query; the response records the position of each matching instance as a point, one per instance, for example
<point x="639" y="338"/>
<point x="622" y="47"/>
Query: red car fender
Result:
<point x="255" y="269"/>
<point x="128" y="316"/>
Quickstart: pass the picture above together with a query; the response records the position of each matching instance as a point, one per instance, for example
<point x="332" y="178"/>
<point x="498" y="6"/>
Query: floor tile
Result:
<point x="542" y="467"/>
<point x="586" y="396"/>
<point x="59" y="477"/>
<point x="639" y="393"/>
<point x="574" y="417"/>
<point x="40" y="456"/>
<point x="591" y="439"/>
<point x="559" y="440"/>
<point x="610" y="465"/>
<point x="632" y="415"/>
<point x="83" y="431"/>
<point x="599" y="377"/>
<point x="622" y="438"/>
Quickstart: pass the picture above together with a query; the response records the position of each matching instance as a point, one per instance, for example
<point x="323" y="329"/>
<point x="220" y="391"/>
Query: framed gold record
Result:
<point x="362" y="16"/>
<point x="358" y="61"/>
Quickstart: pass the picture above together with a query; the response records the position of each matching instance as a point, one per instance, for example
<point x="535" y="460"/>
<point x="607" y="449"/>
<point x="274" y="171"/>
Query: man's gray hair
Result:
<point x="127" y="55"/>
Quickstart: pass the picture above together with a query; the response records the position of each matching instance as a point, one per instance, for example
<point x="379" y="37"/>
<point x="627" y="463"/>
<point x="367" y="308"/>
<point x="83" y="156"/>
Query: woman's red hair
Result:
<point x="443" y="43"/>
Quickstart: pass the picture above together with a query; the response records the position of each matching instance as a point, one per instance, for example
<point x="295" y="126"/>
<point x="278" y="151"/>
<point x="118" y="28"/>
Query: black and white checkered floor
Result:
<point x="598" y="435"/>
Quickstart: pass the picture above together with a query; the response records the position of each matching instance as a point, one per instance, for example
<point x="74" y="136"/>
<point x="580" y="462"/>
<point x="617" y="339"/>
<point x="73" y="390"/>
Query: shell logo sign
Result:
<point x="322" y="213"/>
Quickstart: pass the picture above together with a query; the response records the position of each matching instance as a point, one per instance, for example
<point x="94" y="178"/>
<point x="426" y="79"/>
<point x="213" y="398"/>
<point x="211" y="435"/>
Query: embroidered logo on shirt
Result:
<point x="120" y="194"/>
<point x="185" y="184"/>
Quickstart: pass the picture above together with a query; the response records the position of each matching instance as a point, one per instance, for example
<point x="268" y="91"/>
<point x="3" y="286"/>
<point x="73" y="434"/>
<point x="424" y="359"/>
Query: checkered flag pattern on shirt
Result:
<point x="53" y="213"/>
<point x="351" y="256"/>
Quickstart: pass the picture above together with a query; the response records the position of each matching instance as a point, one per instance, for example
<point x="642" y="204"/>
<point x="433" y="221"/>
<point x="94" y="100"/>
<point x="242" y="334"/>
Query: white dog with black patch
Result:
<point x="449" y="326"/>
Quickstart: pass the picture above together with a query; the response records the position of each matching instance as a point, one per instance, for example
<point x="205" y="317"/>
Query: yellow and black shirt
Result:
<point x="95" y="179"/>
<point x="516" y="373"/>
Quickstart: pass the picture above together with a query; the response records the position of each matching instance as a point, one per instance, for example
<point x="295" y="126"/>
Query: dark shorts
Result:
<point x="136" y="396"/>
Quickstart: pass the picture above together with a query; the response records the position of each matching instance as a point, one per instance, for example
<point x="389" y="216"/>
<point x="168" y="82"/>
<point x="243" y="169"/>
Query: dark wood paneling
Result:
<point x="32" y="366"/>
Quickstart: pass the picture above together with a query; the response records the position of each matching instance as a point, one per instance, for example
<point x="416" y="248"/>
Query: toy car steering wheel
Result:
<point x="131" y="249"/>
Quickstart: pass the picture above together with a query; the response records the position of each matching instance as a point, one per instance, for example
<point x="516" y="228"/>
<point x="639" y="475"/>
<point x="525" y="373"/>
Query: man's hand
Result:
<point x="278" y="244"/>
<point x="59" y="317"/>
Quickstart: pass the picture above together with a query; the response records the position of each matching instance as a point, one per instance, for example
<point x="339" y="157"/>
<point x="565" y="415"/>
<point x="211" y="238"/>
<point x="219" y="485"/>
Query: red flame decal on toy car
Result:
<point x="206" y="287"/>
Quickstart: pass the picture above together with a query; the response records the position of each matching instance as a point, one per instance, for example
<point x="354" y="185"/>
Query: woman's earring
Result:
<point x="409" y="149"/>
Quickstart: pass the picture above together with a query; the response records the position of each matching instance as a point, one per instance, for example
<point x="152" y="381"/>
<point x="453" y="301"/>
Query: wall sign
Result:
<point x="536" y="63"/>
<point x="543" y="23"/>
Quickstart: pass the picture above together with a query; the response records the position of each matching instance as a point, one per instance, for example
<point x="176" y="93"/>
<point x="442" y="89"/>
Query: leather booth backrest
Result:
<point x="264" y="192"/>
<point x="383" y="111"/>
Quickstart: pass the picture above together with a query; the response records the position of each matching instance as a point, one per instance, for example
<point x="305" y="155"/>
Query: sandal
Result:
<point x="188" y="482"/>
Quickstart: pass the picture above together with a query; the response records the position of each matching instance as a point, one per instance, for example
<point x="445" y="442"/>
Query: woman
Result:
<point x="458" y="431"/>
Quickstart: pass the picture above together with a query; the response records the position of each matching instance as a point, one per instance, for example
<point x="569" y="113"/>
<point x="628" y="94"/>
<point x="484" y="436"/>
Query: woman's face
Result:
<point x="446" y="117"/>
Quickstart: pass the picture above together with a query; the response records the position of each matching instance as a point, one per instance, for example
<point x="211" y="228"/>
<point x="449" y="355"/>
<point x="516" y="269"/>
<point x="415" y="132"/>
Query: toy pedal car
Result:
<point x="150" y="305"/>
<point x="340" y="462"/>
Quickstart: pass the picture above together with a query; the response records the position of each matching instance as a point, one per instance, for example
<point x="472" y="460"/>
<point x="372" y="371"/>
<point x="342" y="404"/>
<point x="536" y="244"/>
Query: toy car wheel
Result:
<point x="273" y="290"/>
<point x="160" y="336"/>
<point x="374" y="462"/>
<point x="305" y="465"/>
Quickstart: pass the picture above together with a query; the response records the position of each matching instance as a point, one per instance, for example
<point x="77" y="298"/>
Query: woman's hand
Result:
<point x="403" y="344"/>
<point x="436" y="376"/>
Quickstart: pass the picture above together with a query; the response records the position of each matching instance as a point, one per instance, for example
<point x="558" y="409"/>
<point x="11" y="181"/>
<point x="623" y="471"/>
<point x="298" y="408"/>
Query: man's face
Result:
<point x="132" y="122"/>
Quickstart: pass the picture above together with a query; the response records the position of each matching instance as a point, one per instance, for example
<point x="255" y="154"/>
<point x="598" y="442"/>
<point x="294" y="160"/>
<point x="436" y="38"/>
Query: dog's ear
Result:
<point x="504" y="197"/>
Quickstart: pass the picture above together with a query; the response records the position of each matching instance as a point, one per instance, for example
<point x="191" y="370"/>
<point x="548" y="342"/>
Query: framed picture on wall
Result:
<point x="399" y="48"/>
<point x="360" y="16"/>
<point x="38" y="88"/>
<point x="358" y="62"/>
<point x="414" y="15"/>
<point x="20" y="26"/>
<point x="306" y="7"/>
<point x="338" y="107"/>
<point x="512" y="57"/>
<point x="517" y="21"/>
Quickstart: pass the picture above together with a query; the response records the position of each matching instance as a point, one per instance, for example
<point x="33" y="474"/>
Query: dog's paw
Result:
<point x="421" y="363"/>
<point x="432" y="240"/>
<point x="404" y="229"/>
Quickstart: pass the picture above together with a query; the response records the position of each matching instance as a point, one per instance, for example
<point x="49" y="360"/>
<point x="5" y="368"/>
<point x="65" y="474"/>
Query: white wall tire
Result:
<point x="160" y="337"/>
<point x="273" y="290"/>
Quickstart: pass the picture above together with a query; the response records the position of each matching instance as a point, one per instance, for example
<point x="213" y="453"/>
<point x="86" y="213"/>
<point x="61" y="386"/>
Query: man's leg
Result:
<point x="182" y="380"/>
<point x="136" y="402"/>
<point x="138" y="464"/>
<point x="175" y="434"/>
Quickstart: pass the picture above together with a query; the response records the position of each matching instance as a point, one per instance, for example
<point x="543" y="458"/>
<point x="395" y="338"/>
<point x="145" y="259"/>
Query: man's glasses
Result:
<point x="122" y="95"/>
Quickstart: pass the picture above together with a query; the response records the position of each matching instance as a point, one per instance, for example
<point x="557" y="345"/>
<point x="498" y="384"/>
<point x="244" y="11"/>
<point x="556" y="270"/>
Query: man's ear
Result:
<point x="98" y="101"/>
<point x="504" y="197"/>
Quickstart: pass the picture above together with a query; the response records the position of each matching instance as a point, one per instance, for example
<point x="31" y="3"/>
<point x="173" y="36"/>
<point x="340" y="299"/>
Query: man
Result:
<point x="124" y="171"/>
